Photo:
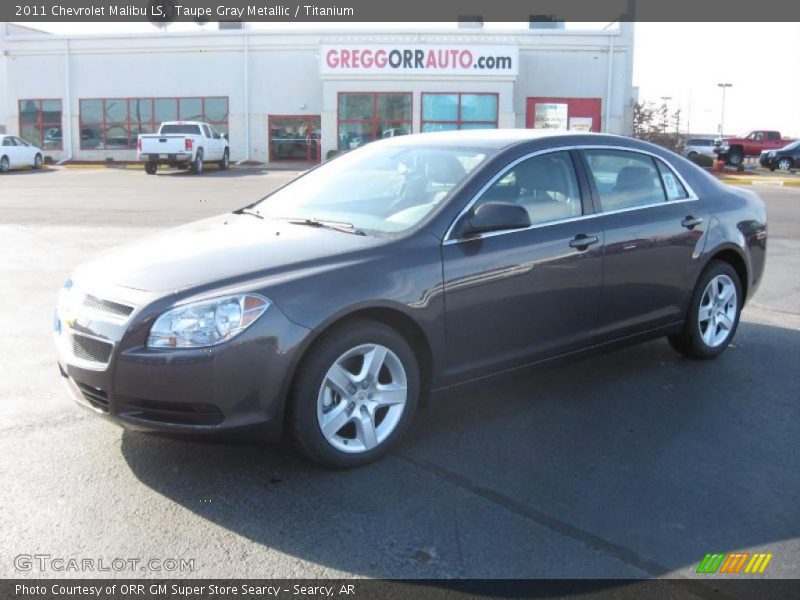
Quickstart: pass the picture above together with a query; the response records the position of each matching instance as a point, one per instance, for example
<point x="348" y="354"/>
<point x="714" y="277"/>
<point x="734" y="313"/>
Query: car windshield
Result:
<point x="177" y="128"/>
<point x="379" y="188"/>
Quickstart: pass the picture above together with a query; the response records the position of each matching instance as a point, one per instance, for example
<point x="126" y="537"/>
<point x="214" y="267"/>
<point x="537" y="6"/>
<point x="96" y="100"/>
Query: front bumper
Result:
<point x="240" y="385"/>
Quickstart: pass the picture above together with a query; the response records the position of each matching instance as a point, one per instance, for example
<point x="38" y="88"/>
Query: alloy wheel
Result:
<point x="362" y="398"/>
<point x="785" y="164"/>
<point x="717" y="313"/>
<point x="3" y="164"/>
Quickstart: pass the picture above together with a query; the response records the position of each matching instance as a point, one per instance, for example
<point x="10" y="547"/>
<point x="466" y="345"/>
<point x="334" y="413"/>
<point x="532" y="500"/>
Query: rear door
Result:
<point x="653" y="225"/>
<point x="514" y="297"/>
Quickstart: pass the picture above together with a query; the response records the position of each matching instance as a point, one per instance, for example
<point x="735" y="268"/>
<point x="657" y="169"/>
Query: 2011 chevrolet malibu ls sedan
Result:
<point x="413" y="264"/>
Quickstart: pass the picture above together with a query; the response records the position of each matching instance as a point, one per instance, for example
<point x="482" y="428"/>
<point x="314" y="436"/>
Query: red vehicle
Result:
<point x="734" y="150"/>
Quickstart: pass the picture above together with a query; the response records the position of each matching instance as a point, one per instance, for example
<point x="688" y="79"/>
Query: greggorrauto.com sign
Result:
<point x="418" y="59"/>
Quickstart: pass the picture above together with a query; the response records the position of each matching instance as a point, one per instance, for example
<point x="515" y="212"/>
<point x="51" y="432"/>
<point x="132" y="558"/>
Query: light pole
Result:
<point x="664" y="122"/>
<point x="722" y="117"/>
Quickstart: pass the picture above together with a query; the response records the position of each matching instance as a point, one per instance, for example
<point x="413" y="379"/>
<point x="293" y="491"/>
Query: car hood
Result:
<point x="218" y="249"/>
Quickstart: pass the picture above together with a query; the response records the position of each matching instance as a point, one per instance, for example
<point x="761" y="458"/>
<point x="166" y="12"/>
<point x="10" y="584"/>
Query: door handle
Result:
<point x="583" y="241"/>
<point x="691" y="222"/>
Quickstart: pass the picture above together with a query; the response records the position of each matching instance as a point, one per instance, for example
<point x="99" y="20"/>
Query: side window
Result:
<point x="758" y="136"/>
<point x="546" y="185"/>
<point x="624" y="179"/>
<point x="7" y="141"/>
<point x="206" y="131"/>
<point x="773" y="135"/>
<point x="672" y="185"/>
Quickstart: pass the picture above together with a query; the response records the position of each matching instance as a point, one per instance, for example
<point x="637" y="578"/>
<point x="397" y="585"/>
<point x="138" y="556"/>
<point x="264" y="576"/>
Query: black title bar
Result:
<point x="473" y="11"/>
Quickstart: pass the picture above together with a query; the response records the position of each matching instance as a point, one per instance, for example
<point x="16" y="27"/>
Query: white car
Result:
<point x="695" y="146"/>
<point x="16" y="152"/>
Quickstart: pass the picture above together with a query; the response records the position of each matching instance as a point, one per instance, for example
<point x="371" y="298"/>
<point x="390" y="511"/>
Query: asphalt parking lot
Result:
<point x="632" y="464"/>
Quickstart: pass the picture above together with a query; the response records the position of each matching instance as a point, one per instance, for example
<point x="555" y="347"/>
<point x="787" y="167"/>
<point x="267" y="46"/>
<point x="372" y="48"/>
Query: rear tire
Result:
<point x="4" y="164"/>
<point x="360" y="423"/>
<point x="223" y="164"/>
<point x="197" y="163"/>
<point x="736" y="157"/>
<point x="713" y="315"/>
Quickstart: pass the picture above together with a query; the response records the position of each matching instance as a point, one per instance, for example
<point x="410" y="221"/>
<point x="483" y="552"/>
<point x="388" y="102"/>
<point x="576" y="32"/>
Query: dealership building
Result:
<point x="298" y="94"/>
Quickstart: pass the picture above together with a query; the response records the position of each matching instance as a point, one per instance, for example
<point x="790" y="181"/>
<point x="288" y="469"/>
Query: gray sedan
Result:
<point x="329" y="309"/>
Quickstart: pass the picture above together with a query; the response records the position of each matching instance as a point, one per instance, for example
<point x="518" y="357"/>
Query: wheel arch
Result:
<point x="734" y="257"/>
<point x="391" y="316"/>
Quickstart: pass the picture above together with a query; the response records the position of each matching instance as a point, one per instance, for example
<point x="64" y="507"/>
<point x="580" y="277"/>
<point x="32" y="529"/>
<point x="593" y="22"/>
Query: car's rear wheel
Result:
<point x="354" y="395"/>
<point x="785" y="164"/>
<point x="223" y="164"/>
<point x="37" y="161"/>
<point x="714" y="311"/>
<point x="4" y="164"/>
<point x="736" y="157"/>
<point x="197" y="164"/>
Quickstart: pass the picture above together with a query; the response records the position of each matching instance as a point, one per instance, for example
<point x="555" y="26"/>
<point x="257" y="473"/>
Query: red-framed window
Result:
<point x="40" y="123"/>
<point x="294" y="138"/>
<point x="442" y="111"/>
<point x="368" y="116"/>
<point x="115" y="123"/>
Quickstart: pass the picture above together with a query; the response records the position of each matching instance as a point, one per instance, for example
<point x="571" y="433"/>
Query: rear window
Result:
<point x="180" y="129"/>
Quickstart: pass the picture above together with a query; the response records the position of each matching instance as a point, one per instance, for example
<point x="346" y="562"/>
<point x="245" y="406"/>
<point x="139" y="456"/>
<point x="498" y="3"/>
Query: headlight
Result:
<point x="206" y="323"/>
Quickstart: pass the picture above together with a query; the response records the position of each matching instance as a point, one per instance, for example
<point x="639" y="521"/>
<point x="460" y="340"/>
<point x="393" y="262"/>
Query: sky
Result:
<point x="680" y="61"/>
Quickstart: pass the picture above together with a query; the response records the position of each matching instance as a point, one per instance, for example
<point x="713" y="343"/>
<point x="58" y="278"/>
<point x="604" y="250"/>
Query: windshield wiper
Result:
<point x="335" y="225"/>
<point x="248" y="211"/>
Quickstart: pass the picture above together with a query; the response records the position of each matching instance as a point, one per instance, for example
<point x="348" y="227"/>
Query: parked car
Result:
<point x="784" y="159"/>
<point x="694" y="146"/>
<point x="410" y="265"/>
<point x="16" y="153"/>
<point x="734" y="150"/>
<point x="185" y="145"/>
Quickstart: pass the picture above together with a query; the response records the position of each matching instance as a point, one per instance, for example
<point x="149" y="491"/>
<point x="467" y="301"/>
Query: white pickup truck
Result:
<point x="183" y="144"/>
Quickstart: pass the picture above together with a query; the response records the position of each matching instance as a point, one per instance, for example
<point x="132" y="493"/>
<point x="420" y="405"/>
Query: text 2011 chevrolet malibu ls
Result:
<point x="412" y="264"/>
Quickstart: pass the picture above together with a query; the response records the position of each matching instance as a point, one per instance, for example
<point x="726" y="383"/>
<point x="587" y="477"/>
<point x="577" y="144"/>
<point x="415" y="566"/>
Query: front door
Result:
<point x="294" y="138"/>
<point x="514" y="297"/>
<point x="653" y="230"/>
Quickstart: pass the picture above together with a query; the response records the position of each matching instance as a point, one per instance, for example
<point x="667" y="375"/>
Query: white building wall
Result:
<point x="284" y="76"/>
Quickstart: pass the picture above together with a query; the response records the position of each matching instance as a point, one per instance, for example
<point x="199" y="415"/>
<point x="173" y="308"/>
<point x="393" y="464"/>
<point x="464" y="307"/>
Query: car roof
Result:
<point x="499" y="139"/>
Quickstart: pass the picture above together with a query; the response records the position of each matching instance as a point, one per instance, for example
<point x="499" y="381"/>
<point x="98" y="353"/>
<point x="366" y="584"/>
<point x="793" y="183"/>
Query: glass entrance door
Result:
<point x="294" y="138"/>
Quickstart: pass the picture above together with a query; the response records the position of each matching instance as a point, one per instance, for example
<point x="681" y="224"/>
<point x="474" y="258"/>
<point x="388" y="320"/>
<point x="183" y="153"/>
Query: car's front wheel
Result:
<point x="354" y="395"/>
<point x="225" y="162"/>
<point x="714" y="311"/>
<point x="37" y="161"/>
<point x="785" y="164"/>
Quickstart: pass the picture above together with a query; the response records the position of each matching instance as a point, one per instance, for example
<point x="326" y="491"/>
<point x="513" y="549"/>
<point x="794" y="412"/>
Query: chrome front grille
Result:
<point x="90" y="348"/>
<point x="107" y="306"/>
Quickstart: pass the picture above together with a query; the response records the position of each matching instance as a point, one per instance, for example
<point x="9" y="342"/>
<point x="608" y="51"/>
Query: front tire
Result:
<point x="714" y="311"/>
<point x="37" y="162"/>
<point x="150" y="168"/>
<point x="785" y="164"/>
<point x="354" y="395"/>
<point x="197" y="163"/>
<point x="225" y="162"/>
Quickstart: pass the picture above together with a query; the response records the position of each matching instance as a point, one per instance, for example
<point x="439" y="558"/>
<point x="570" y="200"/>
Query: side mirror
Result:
<point x="496" y="216"/>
